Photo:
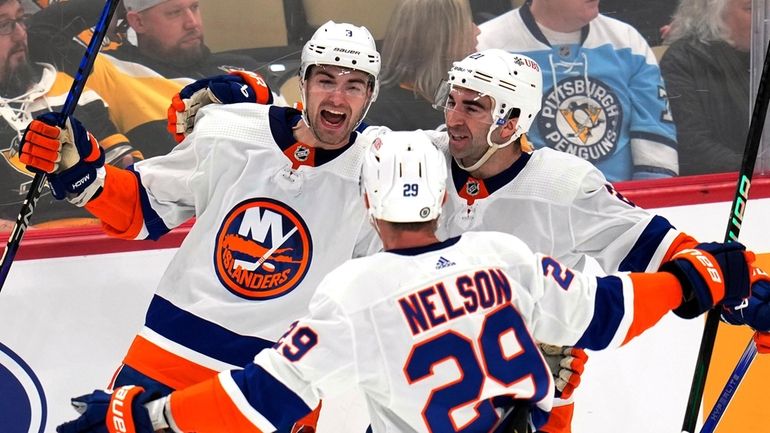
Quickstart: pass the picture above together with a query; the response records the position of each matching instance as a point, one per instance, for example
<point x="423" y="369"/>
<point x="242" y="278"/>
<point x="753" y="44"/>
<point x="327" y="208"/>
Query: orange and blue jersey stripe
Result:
<point x="609" y="313"/>
<point x="616" y="319"/>
<point x="124" y="207"/>
<point x="645" y="250"/>
<point x="178" y="348"/>
<point x="248" y="401"/>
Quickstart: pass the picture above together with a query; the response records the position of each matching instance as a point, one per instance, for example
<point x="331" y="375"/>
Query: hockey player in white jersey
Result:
<point x="557" y="203"/>
<point x="265" y="184"/>
<point x="440" y="336"/>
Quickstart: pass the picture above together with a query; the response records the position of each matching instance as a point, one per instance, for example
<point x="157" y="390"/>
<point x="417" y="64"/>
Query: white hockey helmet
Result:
<point x="404" y="176"/>
<point x="344" y="45"/>
<point x="513" y="81"/>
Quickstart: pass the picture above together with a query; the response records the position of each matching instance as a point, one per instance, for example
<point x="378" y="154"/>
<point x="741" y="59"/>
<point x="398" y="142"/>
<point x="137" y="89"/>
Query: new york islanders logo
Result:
<point x="263" y="249"/>
<point x="581" y="117"/>
<point x="23" y="407"/>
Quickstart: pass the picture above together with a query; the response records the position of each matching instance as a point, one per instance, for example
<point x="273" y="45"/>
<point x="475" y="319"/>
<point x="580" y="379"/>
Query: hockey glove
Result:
<point x="711" y="274"/>
<point x="566" y="364"/>
<point x="110" y="412"/>
<point x="755" y="312"/>
<point x="71" y="156"/>
<point x="237" y="86"/>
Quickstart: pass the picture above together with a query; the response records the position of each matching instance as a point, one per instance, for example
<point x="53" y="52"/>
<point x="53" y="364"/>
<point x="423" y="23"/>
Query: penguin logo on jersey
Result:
<point x="263" y="249"/>
<point x="581" y="117"/>
<point x="23" y="406"/>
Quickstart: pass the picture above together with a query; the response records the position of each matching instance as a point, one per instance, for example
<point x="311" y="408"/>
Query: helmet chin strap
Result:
<point x="493" y="147"/>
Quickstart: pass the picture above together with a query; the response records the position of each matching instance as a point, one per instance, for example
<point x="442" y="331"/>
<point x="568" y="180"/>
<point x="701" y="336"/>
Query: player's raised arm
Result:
<point x="691" y="283"/>
<point x="235" y="87"/>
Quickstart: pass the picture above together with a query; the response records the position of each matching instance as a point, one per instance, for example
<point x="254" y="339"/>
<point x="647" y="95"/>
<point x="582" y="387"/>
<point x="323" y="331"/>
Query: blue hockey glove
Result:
<point x="755" y="311"/>
<point x="237" y="86"/>
<point x="103" y="412"/>
<point x="71" y="156"/>
<point x="711" y="274"/>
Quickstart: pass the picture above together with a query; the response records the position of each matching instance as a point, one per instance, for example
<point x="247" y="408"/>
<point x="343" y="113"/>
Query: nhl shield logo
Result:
<point x="301" y="153"/>
<point x="581" y="117"/>
<point x="472" y="187"/>
<point x="263" y="249"/>
<point x="23" y="407"/>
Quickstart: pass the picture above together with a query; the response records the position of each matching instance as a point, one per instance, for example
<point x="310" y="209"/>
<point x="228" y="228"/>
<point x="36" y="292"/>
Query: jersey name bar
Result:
<point x="432" y="306"/>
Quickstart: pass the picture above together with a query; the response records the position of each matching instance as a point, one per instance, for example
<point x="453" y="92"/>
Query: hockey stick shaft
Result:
<point x="36" y="188"/>
<point x="730" y="387"/>
<point x="737" y="209"/>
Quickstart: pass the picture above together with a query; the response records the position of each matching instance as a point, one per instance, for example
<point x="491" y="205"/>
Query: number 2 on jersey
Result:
<point x="477" y="361"/>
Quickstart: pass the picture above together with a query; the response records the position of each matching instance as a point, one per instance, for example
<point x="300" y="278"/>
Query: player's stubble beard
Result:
<point x="176" y="56"/>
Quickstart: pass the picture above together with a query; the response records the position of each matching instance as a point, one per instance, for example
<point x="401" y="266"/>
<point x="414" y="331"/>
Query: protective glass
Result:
<point x="457" y="100"/>
<point x="351" y="83"/>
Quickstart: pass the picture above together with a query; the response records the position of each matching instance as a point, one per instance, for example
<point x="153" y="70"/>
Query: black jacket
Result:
<point x="708" y="88"/>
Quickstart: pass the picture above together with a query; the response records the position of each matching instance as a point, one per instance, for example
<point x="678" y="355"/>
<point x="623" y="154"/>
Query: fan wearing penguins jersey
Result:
<point x="264" y="183"/>
<point x="440" y="336"/>
<point x="28" y="89"/>
<point x="604" y="99"/>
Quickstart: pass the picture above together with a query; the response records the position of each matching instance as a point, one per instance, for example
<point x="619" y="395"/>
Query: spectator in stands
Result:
<point x="649" y="17"/>
<point x="423" y="38"/>
<point x="28" y="89"/>
<point x="604" y="98"/>
<point x="138" y="80"/>
<point x="706" y="69"/>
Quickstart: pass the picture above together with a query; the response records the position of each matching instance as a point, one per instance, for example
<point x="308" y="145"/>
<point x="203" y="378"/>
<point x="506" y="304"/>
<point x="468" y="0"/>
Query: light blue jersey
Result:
<point x="603" y="97"/>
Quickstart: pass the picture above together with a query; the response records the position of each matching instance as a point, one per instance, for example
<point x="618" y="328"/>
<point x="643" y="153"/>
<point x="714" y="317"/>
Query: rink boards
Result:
<point x="65" y="323"/>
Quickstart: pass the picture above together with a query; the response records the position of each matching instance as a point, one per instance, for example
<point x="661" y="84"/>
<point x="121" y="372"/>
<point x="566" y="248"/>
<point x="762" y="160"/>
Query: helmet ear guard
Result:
<point x="404" y="178"/>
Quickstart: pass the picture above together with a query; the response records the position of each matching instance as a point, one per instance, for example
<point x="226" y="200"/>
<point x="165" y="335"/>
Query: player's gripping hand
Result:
<point x="755" y="311"/>
<point x="110" y="412"/>
<point x="566" y="364"/>
<point x="711" y="274"/>
<point x="237" y="86"/>
<point x="70" y="156"/>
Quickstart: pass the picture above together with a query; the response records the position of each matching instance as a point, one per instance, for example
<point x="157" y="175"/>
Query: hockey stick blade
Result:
<point x="737" y="210"/>
<point x="78" y="83"/>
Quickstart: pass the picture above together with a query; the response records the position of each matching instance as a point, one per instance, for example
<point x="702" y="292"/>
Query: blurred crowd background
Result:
<point x="644" y="89"/>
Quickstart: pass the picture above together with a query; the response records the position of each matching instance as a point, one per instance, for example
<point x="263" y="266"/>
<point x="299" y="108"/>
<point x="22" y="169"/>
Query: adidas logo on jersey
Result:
<point x="444" y="263"/>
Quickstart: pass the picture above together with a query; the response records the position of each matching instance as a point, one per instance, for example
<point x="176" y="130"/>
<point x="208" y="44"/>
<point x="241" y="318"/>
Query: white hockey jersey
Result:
<point x="439" y="338"/>
<point x="559" y="205"/>
<point x="563" y="206"/>
<point x="273" y="216"/>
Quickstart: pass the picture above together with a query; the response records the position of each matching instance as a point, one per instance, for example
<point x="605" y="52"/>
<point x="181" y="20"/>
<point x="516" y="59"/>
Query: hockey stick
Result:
<point x="734" y="222"/>
<point x="79" y="82"/>
<point x="730" y="387"/>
